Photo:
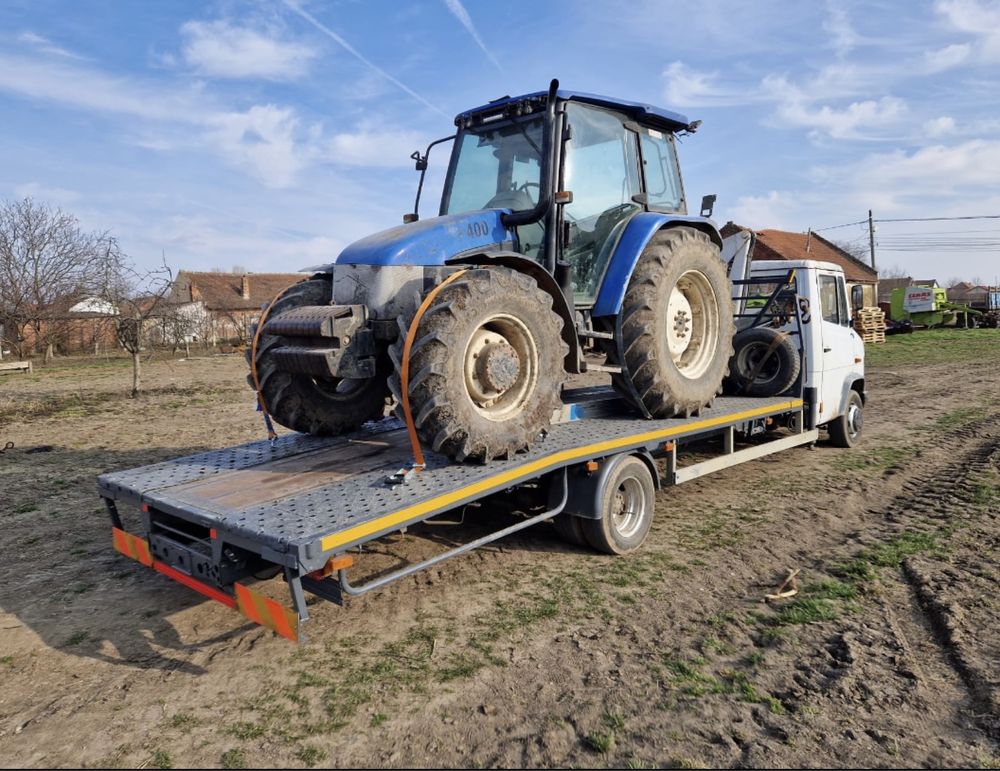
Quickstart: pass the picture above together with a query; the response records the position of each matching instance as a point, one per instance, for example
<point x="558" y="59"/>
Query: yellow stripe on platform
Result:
<point x="539" y="466"/>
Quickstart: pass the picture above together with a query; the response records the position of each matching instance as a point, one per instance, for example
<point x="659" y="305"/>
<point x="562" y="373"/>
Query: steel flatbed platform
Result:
<point x="301" y="503"/>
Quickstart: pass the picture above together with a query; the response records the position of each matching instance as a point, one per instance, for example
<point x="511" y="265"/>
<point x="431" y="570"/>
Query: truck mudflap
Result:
<point x="255" y="606"/>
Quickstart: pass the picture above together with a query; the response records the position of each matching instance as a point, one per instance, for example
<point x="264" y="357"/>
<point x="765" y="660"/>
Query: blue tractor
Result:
<point x="565" y="214"/>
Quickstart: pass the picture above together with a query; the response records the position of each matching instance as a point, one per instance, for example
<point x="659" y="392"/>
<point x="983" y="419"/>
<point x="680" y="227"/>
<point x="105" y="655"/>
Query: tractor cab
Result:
<point x="569" y="171"/>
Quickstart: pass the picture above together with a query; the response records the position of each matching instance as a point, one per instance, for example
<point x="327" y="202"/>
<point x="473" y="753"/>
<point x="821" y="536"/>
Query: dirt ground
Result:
<point x="528" y="652"/>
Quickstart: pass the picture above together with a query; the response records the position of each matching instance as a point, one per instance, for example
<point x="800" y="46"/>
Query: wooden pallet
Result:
<point x="873" y="337"/>
<point x="870" y="324"/>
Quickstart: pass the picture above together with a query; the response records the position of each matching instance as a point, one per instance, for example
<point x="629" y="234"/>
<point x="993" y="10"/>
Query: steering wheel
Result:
<point x="524" y="189"/>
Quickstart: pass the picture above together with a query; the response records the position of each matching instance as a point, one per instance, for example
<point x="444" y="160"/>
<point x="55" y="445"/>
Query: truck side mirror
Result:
<point x="857" y="297"/>
<point x="707" y="205"/>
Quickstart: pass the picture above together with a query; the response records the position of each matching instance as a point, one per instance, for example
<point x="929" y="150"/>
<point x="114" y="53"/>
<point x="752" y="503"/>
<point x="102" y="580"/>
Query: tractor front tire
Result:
<point x="318" y="406"/>
<point x="677" y="324"/>
<point x="486" y="367"/>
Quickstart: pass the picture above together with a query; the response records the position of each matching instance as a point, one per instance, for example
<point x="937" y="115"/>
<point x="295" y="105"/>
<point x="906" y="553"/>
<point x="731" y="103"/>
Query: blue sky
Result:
<point x="272" y="133"/>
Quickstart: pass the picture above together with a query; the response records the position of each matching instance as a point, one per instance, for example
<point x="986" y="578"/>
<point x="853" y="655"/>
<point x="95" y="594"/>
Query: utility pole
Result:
<point x="871" y="236"/>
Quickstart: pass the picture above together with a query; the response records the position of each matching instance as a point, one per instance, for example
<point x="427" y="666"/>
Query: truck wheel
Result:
<point x="486" y="367"/>
<point x="310" y="405"/>
<point x="845" y="431"/>
<point x="570" y="529"/>
<point x="765" y="362"/>
<point x="677" y="323"/>
<point x="626" y="508"/>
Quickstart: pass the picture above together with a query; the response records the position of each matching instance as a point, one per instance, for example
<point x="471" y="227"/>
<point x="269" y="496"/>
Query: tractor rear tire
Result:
<point x="677" y="324"/>
<point x="322" y="407"/>
<point x="486" y="368"/>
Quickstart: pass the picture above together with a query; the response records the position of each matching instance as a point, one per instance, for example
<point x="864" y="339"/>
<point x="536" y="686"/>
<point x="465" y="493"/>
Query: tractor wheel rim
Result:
<point x="513" y="358"/>
<point x="692" y="324"/>
<point x="341" y="387"/>
<point x="628" y="508"/>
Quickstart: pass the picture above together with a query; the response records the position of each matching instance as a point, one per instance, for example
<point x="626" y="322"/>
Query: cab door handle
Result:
<point x="827" y="350"/>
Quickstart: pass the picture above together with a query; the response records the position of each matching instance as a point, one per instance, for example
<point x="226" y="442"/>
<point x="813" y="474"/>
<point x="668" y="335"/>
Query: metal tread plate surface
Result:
<point x="297" y="496"/>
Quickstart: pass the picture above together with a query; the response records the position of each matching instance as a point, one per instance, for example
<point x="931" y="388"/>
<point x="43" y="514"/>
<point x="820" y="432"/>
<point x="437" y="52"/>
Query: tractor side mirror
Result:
<point x="419" y="161"/>
<point x="707" y="205"/>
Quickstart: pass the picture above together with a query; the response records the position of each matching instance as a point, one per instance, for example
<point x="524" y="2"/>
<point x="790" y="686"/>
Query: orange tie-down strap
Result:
<point x="404" y="373"/>
<point x="255" y="606"/>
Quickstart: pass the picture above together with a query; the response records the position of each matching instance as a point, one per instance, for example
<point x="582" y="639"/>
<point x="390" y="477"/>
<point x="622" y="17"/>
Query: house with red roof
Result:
<point x="784" y="245"/>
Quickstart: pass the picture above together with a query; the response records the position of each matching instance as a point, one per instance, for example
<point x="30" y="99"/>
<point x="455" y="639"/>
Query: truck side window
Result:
<point x="829" y="299"/>
<point x="845" y="314"/>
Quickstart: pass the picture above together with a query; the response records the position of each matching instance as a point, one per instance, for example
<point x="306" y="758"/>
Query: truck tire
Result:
<point x="570" y="529"/>
<point x="626" y="502"/>
<point x="765" y="362"/>
<point x="677" y="324"/>
<point x="323" y="407"/>
<point x="486" y="367"/>
<point x="845" y="431"/>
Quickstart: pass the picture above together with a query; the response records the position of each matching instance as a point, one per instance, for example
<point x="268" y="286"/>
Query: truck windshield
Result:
<point x="497" y="166"/>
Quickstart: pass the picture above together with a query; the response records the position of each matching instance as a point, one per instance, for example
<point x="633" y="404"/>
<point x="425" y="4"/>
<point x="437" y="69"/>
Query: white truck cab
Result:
<point x="833" y="353"/>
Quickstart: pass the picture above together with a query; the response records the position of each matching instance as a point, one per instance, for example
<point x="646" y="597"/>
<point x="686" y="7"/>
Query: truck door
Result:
<point x="841" y="345"/>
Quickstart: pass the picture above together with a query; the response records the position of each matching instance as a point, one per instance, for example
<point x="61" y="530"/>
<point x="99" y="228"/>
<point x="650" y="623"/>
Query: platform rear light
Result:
<point x="335" y="563"/>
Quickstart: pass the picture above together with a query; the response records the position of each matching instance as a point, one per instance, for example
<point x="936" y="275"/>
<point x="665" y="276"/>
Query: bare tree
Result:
<point x="240" y="323"/>
<point x="137" y="297"/>
<point x="858" y="251"/>
<point x="893" y="271"/>
<point x="44" y="256"/>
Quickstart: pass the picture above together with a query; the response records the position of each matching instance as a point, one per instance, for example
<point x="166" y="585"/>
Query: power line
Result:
<point x="912" y="219"/>
<point x="942" y="219"/>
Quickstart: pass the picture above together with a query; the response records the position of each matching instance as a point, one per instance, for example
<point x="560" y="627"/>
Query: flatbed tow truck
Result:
<point x="302" y="506"/>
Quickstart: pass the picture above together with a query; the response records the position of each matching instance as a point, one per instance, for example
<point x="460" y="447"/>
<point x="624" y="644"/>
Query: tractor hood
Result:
<point x="431" y="241"/>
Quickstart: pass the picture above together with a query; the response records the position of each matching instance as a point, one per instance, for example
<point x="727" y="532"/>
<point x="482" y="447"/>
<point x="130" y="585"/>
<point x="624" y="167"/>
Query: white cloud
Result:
<point x="265" y="140"/>
<point x="762" y="211"/>
<point x="193" y="241"/>
<point x="937" y="171"/>
<point x="45" y="45"/>
<point x="294" y="6"/>
<point x="374" y="148"/>
<point x="838" y="25"/>
<point x="57" y="195"/>
<point x="221" y="49"/>
<point x="981" y="20"/>
<point x="857" y="120"/>
<point x="270" y="142"/>
<point x="687" y="87"/>
<point x="945" y="58"/>
<point x="939" y="127"/>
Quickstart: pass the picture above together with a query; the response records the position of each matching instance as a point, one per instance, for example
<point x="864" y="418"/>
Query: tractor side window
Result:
<point x="601" y="168"/>
<point x="659" y="161"/>
<point x="829" y="299"/>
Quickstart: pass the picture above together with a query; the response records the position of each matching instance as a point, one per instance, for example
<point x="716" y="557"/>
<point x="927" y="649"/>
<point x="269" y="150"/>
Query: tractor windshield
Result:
<point x="496" y="166"/>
